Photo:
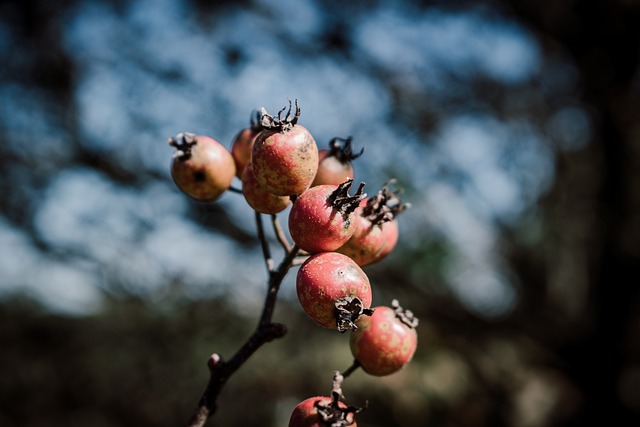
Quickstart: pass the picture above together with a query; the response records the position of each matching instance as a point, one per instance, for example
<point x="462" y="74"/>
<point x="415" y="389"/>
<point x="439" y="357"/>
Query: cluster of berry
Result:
<point x="279" y="164"/>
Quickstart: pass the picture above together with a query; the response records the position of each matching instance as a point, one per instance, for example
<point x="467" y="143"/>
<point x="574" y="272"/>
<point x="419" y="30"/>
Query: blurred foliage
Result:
<point x="567" y="354"/>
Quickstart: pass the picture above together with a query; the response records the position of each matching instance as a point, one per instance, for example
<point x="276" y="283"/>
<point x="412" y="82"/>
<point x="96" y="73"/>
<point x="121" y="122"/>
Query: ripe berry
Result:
<point x="201" y="167"/>
<point x="242" y="144"/>
<point x="258" y="198"/>
<point x="333" y="290"/>
<point x="322" y="411"/>
<point x="390" y="238"/>
<point x="321" y="218"/>
<point x="284" y="155"/>
<point x="366" y="242"/>
<point x="385" y="341"/>
<point x="334" y="164"/>
<point x="376" y="231"/>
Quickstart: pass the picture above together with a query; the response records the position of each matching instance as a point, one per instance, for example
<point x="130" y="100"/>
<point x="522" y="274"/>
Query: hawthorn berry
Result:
<point x="284" y="154"/>
<point x="334" y="164"/>
<point x="333" y="290"/>
<point x="367" y="240"/>
<point x="385" y="341"/>
<point x="242" y="144"/>
<point x="258" y="197"/>
<point x="390" y="235"/>
<point x="321" y="218"/>
<point x="376" y="232"/>
<point x="322" y="411"/>
<point x="201" y="167"/>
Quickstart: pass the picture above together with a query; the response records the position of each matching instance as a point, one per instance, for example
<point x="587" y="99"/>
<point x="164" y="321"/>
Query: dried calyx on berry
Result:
<point x="406" y="316"/>
<point x="384" y="206"/>
<point x="183" y="142"/>
<point x="278" y="123"/>
<point x="332" y="413"/>
<point x="341" y="201"/>
<point x="341" y="149"/>
<point x="348" y="310"/>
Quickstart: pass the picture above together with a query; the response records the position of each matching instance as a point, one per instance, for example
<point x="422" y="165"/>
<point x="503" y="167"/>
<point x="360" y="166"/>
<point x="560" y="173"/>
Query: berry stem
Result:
<point x="332" y="414"/>
<point x="336" y="389"/>
<point x="279" y="232"/>
<point x="354" y="366"/>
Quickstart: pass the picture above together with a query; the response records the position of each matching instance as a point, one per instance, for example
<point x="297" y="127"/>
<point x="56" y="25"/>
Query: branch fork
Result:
<point x="266" y="330"/>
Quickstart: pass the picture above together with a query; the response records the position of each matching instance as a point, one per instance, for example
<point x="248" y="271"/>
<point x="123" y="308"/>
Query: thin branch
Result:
<point x="300" y="260"/>
<point x="333" y="413"/>
<point x="284" y="242"/>
<point x="275" y="280"/>
<point x="266" y="251"/>
<point x="336" y="389"/>
<point x="266" y="331"/>
<point x="355" y="365"/>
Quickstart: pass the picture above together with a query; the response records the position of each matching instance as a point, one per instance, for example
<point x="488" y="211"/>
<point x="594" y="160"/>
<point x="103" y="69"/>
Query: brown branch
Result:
<point x="284" y="242"/>
<point x="266" y="251"/>
<point x="219" y="370"/>
<point x="275" y="279"/>
<point x="300" y="260"/>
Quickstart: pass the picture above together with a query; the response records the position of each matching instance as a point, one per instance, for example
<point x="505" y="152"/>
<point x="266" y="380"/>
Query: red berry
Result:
<point x="258" y="198"/>
<point x="376" y="231"/>
<point x="370" y="242"/>
<point x="334" y="164"/>
<point x="367" y="241"/>
<point x="389" y="237"/>
<point x="321" y="218"/>
<point x="242" y="144"/>
<point x="333" y="290"/>
<point x="385" y="341"/>
<point x="284" y="155"/>
<point x="316" y="412"/>
<point x="201" y="167"/>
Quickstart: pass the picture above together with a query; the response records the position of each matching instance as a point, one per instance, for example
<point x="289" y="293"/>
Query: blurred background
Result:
<point x="512" y="125"/>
